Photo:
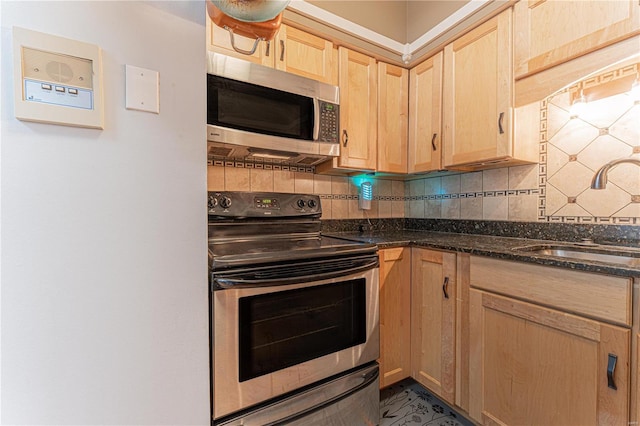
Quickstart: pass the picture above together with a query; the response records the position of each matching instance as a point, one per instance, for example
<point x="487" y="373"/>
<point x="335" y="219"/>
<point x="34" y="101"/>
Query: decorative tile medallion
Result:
<point x="573" y="148"/>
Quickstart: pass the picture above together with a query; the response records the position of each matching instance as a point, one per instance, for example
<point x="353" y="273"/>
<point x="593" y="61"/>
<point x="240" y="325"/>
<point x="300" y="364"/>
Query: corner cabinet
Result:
<point x="395" y="317"/>
<point x="540" y="360"/>
<point x="393" y="115"/>
<point x="358" y="77"/>
<point x="433" y="313"/>
<point x="478" y="113"/>
<point x="425" y="116"/>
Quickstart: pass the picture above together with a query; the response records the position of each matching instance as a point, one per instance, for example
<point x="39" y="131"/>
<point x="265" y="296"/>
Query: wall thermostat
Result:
<point x="57" y="80"/>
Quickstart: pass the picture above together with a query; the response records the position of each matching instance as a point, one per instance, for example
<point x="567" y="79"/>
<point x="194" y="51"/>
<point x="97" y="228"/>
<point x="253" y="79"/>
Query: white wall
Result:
<point x="104" y="314"/>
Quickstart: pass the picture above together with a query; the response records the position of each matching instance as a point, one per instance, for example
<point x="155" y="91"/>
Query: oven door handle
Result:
<point x="226" y="283"/>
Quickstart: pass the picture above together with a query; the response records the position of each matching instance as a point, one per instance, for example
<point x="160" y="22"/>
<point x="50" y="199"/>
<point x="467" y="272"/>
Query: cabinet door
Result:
<point x="395" y="315"/>
<point x="635" y="364"/>
<point x="433" y="302"/>
<point x="304" y="54"/>
<point x="425" y="116"/>
<point x="534" y="365"/>
<point x="477" y="99"/>
<point x="554" y="31"/>
<point x="218" y="40"/>
<point x="358" y="106"/>
<point x="393" y="114"/>
<point x="636" y="395"/>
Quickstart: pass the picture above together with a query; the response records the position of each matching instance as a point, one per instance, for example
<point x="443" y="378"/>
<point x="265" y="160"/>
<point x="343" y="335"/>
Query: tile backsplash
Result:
<point x="498" y="194"/>
<point x="339" y="194"/>
<point x="556" y="190"/>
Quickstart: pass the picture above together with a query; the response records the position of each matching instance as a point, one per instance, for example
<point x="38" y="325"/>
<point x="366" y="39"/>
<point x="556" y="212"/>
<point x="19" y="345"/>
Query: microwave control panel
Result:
<point x="329" y="122"/>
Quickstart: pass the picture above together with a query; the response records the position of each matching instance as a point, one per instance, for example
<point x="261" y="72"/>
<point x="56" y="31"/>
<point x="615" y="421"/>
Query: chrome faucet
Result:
<point x="599" y="180"/>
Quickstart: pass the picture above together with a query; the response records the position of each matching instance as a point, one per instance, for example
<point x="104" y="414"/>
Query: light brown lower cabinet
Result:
<point x="433" y="312"/>
<point x="395" y="315"/>
<point x="635" y="416"/>
<point x="530" y="364"/>
<point x="487" y="338"/>
<point x="635" y="365"/>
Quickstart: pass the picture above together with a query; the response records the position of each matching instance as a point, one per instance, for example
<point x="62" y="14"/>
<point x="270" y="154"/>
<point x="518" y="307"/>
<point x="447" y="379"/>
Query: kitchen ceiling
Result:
<point x="400" y="20"/>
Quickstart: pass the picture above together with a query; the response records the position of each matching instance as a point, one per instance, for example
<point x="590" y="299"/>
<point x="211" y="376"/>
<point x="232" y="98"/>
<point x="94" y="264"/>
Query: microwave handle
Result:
<point x="316" y="119"/>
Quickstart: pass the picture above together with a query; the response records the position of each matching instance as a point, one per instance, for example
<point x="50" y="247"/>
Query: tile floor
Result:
<point x="408" y="403"/>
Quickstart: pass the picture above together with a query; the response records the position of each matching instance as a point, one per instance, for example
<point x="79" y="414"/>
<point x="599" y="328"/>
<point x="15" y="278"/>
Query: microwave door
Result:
<point x="258" y="109"/>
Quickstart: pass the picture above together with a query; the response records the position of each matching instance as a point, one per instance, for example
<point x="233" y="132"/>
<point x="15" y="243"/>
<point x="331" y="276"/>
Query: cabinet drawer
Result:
<point x="599" y="296"/>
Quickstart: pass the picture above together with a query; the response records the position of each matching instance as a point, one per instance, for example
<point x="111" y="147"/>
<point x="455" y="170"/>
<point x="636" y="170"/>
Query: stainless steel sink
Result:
<point x="618" y="256"/>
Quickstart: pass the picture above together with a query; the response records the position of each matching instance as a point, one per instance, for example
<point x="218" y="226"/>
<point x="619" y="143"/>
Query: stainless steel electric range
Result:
<point x="294" y="315"/>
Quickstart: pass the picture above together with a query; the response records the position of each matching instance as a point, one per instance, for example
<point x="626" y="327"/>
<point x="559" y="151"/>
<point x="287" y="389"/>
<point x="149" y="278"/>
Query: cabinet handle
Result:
<point x="281" y="50"/>
<point x="445" y="286"/>
<point x="266" y="53"/>
<point x="345" y="137"/>
<point x="611" y="369"/>
<point x="500" y="123"/>
<point x="433" y="141"/>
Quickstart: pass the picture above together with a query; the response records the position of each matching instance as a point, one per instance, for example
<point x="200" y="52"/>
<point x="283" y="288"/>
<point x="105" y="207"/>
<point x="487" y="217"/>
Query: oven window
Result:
<point x="282" y="329"/>
<point x="258" y="109"/>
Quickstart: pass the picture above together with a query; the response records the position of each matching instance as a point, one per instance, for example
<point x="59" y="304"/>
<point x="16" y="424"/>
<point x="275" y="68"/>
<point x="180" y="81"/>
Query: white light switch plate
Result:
<point x="142" y="89"/>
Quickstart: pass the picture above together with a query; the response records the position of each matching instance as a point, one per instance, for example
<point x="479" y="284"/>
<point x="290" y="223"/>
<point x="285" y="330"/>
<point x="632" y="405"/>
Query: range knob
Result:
<point x="213" y="203"/>
<point x="300" y="203"/>
<point x="312" y="204"/>
<point x="225" y="202"/>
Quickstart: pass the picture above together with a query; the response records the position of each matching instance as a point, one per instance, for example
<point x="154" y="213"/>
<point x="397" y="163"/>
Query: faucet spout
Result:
<point x="599" y="180"/>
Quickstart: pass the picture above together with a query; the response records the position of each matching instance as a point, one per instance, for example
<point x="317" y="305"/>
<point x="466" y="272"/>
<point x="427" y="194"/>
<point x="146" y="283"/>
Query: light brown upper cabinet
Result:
<point x="433" y="313"/>
<point x="358" y="79"/>
<point x="304" y="54"/>
<point x="393" y="114"/>
<point x="478" y="112"/>
<point x="395" y="315"/>
<point x="555" y="31"/>
<point x="292" y="50"/>
<point x="425" y="116"/>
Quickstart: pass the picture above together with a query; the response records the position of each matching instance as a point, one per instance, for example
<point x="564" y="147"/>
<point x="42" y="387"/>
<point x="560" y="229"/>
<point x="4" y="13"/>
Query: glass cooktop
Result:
<point x="251" y="251"/>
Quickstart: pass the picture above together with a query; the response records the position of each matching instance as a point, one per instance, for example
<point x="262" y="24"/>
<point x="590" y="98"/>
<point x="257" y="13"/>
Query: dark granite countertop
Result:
<point x="486" y="245"/>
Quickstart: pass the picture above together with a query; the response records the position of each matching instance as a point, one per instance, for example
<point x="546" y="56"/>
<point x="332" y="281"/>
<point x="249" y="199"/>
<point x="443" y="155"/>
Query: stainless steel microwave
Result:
<point x="256" y="112"/>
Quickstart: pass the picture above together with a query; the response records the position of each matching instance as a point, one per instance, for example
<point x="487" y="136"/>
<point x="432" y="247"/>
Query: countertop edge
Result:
<point x="484" y="245"/>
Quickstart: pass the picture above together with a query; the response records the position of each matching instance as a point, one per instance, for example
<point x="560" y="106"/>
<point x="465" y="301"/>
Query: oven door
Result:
<point x="268" y="341"/>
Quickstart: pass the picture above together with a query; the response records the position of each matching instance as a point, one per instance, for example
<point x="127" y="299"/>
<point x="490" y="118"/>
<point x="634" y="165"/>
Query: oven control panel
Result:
<point x="233" y="204"/>
<point x="270" y="203"/>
